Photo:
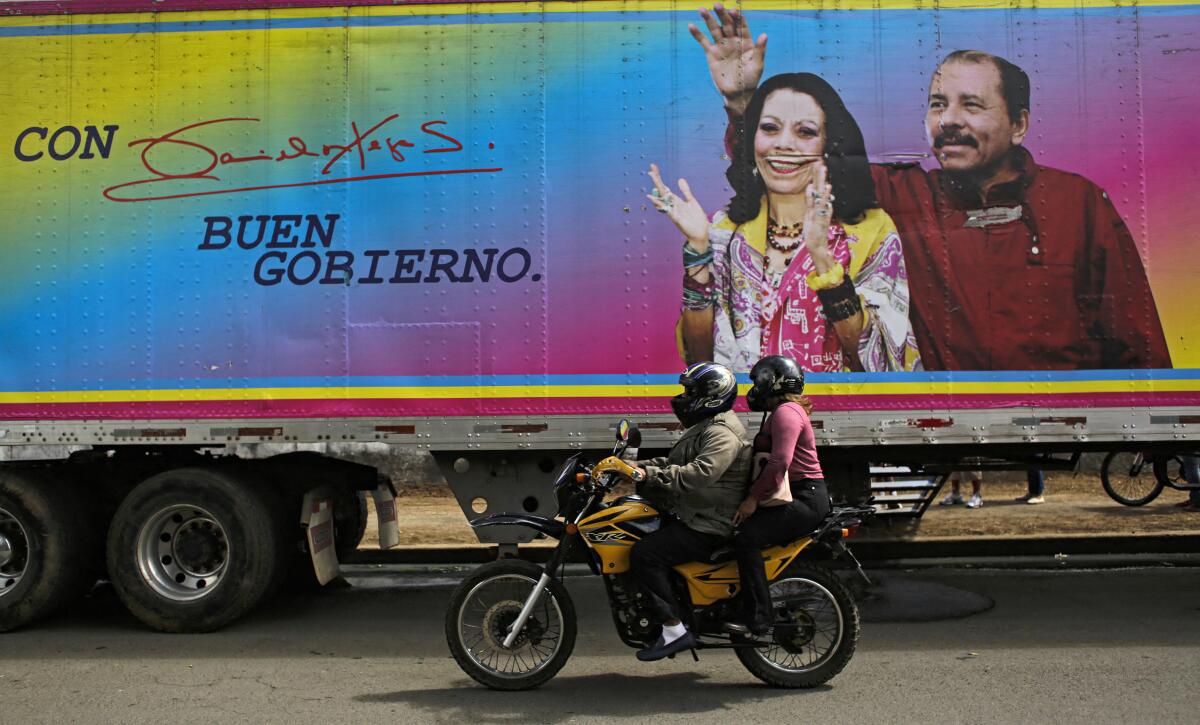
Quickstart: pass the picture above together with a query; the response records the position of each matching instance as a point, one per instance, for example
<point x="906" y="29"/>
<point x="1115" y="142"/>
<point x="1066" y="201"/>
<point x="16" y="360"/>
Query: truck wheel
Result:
<point x="349" y="521"/>
<point x="191" y="550"/>
<point x="1130" y="479"/>
<point x="43" y="547"/>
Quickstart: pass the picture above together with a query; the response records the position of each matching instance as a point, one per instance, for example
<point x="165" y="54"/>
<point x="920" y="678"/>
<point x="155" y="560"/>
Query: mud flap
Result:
<point x="385" y="515"/>
<point x="317" y="519"/>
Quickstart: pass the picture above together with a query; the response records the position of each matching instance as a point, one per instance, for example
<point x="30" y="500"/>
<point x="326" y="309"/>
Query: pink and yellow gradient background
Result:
<point x="109" y="310"/>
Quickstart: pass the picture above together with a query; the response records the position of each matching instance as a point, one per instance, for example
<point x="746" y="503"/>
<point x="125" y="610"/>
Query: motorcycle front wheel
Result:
<point x="481" y="611"/>
<point x="814" y="633"/>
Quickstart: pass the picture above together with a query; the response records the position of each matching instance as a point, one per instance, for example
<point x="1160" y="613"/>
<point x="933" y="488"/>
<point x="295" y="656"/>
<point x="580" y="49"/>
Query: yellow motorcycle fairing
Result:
<point x="708" y="583"/>
<point x="608" y="532"/>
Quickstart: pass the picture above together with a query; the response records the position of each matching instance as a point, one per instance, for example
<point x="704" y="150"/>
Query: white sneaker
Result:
<point x="975" y="502"/>
<point x="951" y="499"/>
<point x="1035" y="499"/>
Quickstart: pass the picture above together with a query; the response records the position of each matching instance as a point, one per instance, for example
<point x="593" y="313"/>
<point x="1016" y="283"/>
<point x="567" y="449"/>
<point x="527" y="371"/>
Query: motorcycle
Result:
<point x="511" y="624"/>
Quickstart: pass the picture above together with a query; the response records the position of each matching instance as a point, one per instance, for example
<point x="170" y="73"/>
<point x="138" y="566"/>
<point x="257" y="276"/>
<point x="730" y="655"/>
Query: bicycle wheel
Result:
<point x="1129" y="479"/>
<point x="1169" y="472"/>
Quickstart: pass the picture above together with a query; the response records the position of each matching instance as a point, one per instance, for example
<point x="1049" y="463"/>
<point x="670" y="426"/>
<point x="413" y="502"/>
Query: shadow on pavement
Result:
<point x="607" y="695"/>
<point x="904" y="598"/>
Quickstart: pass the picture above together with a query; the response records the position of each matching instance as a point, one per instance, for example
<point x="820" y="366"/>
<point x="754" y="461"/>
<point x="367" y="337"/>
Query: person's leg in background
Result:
<point x="955" y="495"/>
<point x="1191" y="474"/>
<point x="976" y="499"/>
<point x="1035" y="484"/>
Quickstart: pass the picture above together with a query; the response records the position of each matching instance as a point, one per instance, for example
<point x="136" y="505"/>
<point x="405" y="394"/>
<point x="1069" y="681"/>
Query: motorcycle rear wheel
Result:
<point x="815" y="630"/>
<point x="482" y="608"/>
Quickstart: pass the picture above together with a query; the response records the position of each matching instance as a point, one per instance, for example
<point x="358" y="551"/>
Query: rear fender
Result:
<point x="549" y="527"/>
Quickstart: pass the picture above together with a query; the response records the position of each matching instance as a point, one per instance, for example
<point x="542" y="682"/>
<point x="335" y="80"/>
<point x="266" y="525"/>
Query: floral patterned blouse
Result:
<point x="763" y="312"/>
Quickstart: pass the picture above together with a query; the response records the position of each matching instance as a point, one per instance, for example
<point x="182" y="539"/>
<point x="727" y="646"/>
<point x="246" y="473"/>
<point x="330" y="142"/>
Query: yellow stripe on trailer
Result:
<point x="353" y="392"/>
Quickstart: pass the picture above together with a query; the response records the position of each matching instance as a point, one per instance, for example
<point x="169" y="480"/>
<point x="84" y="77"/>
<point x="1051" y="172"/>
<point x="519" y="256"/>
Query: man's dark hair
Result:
<point x="845" y="152"/>
<point x="1014" y="83"/>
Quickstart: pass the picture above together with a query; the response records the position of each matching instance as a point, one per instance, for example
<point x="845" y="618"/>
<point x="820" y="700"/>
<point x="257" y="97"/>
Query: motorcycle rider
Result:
<point x="788" y="497"/>
<point x="701" y="481"/>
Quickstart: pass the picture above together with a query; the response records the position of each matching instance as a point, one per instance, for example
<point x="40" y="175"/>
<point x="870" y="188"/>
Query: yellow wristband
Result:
<point x="828" y="280"/>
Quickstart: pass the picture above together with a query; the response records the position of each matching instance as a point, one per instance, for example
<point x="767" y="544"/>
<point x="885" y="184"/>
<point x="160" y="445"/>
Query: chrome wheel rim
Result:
<point x="813" y="624"/>
<point x="183" y="553"/>
<point x="490" y="607"/>
<point x="14" y="552"/>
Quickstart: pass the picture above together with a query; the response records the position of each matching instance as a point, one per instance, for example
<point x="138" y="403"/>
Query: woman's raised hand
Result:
<point x="735" y="60"/>
<point x="684" y="210"/>
<point x="817" y="220"/>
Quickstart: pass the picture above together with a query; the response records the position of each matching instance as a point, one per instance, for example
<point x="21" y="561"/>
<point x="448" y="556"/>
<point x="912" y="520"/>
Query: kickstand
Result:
<point x="846" y="550"/>
<point x="695" y="656"/>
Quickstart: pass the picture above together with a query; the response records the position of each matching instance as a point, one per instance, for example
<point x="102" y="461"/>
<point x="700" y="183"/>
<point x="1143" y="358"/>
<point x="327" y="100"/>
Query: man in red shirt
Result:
<point x="1011" y="265"/>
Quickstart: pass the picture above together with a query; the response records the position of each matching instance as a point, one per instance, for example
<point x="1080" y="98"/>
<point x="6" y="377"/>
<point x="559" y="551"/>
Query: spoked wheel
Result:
<point x="1129" y="479"/>
<point x="1169" y="472"/>
<point x="814" y="633"/>
<point x="482" y="611"/>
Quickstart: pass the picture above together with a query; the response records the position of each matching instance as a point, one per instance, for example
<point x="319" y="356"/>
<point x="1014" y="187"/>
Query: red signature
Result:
<point x="161" y="157"/>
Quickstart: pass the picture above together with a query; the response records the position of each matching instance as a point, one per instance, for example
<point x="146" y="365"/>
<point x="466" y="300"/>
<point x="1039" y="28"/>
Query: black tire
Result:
<point x="349" y="527"/>
<point x="520" y="576"/>
<point x="836" y="606"/>
<point x="349" y="521"/>
<point x="1117" y="476"/>
<point x="224" y="534"/>
<point x="298" y="472"/>
<point x="1169" y="472"/>
<point x="48" y="531"/>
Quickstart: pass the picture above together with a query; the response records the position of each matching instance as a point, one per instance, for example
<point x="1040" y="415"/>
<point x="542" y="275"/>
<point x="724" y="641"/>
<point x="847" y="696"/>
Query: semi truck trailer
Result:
<point x="428" y="226"/>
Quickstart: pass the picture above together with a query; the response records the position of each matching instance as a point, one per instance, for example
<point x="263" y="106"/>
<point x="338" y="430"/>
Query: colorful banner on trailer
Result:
<point x="444" y="209"/>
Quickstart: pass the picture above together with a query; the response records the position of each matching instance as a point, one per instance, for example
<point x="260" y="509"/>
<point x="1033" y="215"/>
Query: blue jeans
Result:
<point x="1036" y="482"/>
<point x="1191" y="474"/>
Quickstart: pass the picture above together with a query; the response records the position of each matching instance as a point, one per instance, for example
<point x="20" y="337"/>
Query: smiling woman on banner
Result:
<point x="802" y="262"/>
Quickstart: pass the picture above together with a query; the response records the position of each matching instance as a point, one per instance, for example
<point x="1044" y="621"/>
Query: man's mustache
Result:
<point x="958" y="139"/>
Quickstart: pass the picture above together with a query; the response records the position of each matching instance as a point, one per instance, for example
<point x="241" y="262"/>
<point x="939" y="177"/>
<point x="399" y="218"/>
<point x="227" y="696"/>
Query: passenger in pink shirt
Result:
<point x="787" y="498"/>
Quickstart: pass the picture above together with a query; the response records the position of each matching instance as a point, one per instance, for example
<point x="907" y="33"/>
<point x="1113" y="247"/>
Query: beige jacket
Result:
<point x="705" y="476"/>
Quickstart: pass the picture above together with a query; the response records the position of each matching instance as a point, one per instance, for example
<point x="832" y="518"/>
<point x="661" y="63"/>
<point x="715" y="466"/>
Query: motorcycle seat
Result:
<point x="726" y="553"/>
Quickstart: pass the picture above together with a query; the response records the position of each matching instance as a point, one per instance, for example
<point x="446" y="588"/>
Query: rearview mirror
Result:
<point x="623" y="429"/>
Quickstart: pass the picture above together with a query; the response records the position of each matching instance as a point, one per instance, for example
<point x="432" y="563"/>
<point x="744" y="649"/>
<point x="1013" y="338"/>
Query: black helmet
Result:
<point x="708" y="389"/>
<point x="772" y="376"/>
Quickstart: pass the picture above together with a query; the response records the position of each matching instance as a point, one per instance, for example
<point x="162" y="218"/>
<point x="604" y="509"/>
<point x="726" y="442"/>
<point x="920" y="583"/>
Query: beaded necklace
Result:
<point x="787" y="231"/>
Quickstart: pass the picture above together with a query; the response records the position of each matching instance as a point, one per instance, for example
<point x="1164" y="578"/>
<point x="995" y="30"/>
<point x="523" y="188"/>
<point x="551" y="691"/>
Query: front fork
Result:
<point x="557" y="557"/>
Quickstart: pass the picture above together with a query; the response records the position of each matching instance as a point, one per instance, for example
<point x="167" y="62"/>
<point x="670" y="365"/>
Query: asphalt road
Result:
<point x="1060" y="646"/>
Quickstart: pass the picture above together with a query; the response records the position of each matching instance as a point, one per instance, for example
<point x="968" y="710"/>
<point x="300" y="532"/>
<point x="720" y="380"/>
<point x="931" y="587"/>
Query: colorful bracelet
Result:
<point x="692" y="258"/>
<point x="830" y="279"/>
<point x="697" y="296"/>
<point x="841" y="302"/>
